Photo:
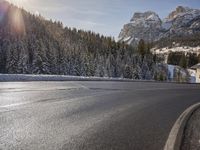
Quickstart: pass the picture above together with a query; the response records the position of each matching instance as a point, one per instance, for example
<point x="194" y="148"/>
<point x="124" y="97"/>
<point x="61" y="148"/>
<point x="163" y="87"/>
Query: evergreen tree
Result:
<point x="142" y="48"/>
<point x="128" y="72"/>
<point x="199" y="58"/>
<point x="183" y="61"/>
<point x="192" y="59"/>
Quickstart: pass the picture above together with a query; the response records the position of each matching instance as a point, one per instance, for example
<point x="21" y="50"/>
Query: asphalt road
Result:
<point x="90" y="115"/>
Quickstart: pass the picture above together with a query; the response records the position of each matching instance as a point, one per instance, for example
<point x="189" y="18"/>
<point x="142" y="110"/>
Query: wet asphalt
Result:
<point x="90" y="115"/>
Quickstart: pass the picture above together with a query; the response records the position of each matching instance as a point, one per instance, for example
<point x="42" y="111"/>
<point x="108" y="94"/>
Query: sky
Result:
<point x="106" y="17"/>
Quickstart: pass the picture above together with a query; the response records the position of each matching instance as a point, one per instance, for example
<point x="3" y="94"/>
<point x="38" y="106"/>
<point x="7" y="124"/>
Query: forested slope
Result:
<point x="30" y="44"/>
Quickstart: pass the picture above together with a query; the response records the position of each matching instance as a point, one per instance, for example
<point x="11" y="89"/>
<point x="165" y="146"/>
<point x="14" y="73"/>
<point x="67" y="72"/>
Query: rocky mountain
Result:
<point x="181" y="22"/>
<point x="142" y="26"/>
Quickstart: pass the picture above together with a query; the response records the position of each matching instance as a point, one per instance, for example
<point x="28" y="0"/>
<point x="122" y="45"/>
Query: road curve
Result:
<point x="91" y="115"/>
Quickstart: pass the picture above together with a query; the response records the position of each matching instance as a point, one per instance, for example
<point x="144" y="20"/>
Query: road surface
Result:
<point x="90" y="115"/>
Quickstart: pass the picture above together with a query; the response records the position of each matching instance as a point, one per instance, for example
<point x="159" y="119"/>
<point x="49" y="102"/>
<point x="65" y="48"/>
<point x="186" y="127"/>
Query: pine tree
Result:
<point x="199" y="58"/>
<point x="183" y="61"/>
<point x="142" y="48"/>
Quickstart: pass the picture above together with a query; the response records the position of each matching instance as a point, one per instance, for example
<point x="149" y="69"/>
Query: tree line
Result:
<point x="185" y="60"/>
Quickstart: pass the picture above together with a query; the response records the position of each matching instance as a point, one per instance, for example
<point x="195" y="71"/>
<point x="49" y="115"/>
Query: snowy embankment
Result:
<point x="185" y="49"/>
<point x="173" y="70"/>
<point x="26" y="77"/>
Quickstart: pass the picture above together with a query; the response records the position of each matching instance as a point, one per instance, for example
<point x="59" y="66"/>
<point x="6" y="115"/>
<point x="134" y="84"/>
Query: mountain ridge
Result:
<point x="183" y="21"/>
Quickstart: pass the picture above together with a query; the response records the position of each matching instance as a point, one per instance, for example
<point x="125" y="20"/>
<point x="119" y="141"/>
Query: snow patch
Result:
<point x="167" y="25"/>
<point x="192" y="74"/>
<point x="127" y="39"/>
<point x="27" y="77"/>
<point x="185" y="49"/>
<point x="171" y="71"/>
<point x="153" y="17"/>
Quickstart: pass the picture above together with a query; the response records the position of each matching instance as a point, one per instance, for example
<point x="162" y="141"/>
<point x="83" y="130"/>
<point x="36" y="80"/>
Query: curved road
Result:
<point x="90" y="115"/>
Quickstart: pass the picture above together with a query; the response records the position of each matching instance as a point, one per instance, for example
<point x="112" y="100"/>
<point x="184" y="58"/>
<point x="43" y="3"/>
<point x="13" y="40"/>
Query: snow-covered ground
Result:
<point x="173" y="68"/>
<point x="166" y="50"/>
<point x="171" y="71"/>
<point x="26" y="77"/>
<point x="192" y="75"/>
<point x="185" y="49"/>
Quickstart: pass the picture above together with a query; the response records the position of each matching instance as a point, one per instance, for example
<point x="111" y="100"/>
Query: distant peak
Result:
<point x="181" y="10"/>
<point x="145" y="15"/>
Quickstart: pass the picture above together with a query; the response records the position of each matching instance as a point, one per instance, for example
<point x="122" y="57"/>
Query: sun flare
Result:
<point x="15" y="17"/>
<point x="19" y="3"/>
<point x="17" y="22"/>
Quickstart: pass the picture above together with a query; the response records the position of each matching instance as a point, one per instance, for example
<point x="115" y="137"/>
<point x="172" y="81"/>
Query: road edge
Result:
<point x="35" y="77"/>
<point x="29" y="77"/>
<point x="176" y="134"/>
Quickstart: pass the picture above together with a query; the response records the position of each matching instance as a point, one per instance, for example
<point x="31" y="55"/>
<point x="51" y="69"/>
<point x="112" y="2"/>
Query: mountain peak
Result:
<point x="149" y="27"/>
<point x="145" y="15"/>
<point x="181" y="10"/>
<point x="141" y="23"/>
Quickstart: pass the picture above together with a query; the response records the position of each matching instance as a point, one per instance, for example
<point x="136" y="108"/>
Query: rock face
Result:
<point x="182" y="21"/>
<point x="142" y="26"/>
<point x="149" y="27"/>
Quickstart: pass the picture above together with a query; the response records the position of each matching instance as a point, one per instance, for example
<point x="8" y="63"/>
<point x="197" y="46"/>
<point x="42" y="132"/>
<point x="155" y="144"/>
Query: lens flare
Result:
<point x="17" y="21"/>
<point x="3" y="10"/>
<point x="14" y="15"/>
<point x="18" y="3"/>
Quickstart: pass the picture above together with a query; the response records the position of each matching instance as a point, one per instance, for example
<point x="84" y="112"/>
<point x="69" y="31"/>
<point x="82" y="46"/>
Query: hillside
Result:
<point x="30" y="44"/>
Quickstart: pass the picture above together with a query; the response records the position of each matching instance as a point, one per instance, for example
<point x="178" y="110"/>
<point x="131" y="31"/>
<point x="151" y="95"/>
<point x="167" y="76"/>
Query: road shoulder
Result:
<point x="174" y="141"/>
<point x="191" y="136"/>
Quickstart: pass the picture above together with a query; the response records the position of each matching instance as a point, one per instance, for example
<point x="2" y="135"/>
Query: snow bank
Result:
<point x="171" y="71"/>
<point x="26" y="77"/>
<point x="184" y="49"/>
<point x="192" y="75"/>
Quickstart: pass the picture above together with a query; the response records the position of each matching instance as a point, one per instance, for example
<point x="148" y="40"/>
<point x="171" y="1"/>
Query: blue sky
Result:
<point x="103" y="16"/>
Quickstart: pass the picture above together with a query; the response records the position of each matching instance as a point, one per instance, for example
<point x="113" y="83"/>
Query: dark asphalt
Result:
<point x="90" y="115"/>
